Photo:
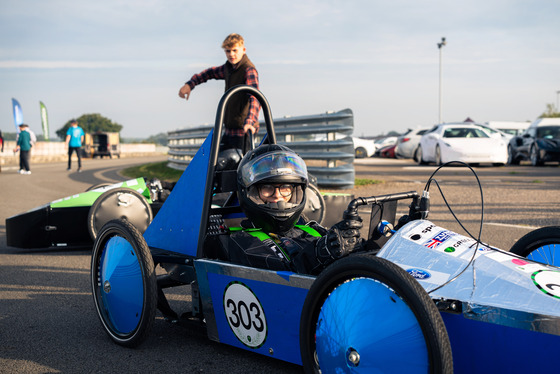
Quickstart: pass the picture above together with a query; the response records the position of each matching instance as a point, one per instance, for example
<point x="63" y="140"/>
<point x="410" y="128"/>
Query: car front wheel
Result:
<point x="535" y="156"/>
<point x="438" y="155"/>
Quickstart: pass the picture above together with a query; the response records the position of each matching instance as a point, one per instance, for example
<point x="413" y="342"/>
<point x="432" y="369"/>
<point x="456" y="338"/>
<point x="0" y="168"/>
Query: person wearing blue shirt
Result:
<point x="74" y="139"/>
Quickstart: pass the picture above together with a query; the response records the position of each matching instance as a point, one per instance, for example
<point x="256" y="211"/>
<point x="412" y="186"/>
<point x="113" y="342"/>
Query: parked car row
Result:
<point x="472" y="143"/>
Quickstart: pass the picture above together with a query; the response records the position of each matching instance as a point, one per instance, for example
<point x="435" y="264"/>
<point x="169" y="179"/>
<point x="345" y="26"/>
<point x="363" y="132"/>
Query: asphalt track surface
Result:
<point x="48" y="322"/>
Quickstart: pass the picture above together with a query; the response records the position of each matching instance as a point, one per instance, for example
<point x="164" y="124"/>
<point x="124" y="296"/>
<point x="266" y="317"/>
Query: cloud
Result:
<point x="109" y="64"/>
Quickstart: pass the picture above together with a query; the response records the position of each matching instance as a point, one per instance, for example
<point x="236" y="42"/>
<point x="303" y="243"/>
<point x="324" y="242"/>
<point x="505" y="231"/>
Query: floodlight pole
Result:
<point x="440" y="45"/>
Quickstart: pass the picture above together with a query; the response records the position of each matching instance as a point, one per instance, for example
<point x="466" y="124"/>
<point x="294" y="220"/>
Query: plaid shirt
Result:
<point x="251" y="79"/>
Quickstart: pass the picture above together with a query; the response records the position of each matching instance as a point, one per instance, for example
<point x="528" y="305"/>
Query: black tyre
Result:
<point x="360" y="152"/>
<point x="99" y="185"/>
<point x="121" y="203"/>
<point x="535" y="156"/>
<point x="366" y="314"/>
<point x="438" y="156"/>
<point x="419" y="157"/>
<point x="512" y="160"/>
<point x="315" y="205"/>
<point x="540" y="245"/>
<point x="123" y="283"/>
<point x="415" y="157"/>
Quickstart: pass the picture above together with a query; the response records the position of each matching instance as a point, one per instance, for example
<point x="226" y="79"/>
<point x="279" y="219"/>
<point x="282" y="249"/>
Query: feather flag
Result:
<point x="18" y="114"/>
<point x="44" y="120"/>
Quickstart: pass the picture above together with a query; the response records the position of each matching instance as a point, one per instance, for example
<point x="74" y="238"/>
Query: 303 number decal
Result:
<point x="245" y="314"/>
<point x="248" y="316"/>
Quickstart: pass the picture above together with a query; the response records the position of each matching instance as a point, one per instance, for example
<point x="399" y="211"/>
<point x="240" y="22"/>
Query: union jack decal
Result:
<point x="438" y="239"/>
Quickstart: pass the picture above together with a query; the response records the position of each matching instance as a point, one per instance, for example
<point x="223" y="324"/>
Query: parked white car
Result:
<point x="363" y="147"/>
<point x="468" y="143"/>
<point x="407" y="144"/>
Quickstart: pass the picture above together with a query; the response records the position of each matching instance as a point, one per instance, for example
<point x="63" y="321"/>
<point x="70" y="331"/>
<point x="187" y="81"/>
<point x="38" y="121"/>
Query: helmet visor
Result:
<point x="274" y="164"/>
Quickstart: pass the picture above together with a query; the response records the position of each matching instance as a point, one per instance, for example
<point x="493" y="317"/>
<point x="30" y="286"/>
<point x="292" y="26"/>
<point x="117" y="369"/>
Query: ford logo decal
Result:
<point x="419" y="273"/>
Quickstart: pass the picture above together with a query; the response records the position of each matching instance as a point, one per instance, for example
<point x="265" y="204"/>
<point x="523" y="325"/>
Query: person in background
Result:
<point x="23" y="145"/>
<point x="2" y="146"/>
<point x="74" y="140"/>
<point x="242" y="111"/>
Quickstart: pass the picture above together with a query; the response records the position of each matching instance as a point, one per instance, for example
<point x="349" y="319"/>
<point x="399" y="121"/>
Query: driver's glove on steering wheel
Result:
<point x="342" y="239"/>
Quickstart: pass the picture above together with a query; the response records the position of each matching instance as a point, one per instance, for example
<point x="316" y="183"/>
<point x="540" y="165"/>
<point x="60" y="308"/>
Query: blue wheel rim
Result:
<point x="546" y="254"/>
<point x="121" y="285"/>
<point x="367" y="317"/>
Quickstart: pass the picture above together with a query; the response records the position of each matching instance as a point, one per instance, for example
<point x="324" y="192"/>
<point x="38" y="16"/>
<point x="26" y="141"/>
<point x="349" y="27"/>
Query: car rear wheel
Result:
<point x="315" y="205"/>
<point x="360" y="152"/>
<point x="540" y="245"/>
<point x="119" y="203"/>
<point x="362" y="313"/>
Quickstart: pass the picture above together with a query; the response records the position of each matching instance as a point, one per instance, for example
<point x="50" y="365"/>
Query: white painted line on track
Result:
<point x="513" y="226"/>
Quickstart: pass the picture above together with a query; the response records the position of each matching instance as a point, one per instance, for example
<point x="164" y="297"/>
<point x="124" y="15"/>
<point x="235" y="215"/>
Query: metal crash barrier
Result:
<point x="324" y="141"/>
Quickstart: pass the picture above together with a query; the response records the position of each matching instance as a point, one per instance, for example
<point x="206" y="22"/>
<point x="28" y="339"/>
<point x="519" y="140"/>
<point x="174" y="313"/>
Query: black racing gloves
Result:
<point x="342" y="239"/>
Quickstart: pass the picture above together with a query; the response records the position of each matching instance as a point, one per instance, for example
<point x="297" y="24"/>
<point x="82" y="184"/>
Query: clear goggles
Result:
<point x="271" y="165"/>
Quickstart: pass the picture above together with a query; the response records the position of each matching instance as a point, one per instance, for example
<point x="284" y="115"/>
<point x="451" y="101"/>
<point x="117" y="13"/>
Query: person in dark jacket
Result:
<point x="272" y="180"/>
<point x="23" y="145"/>
<point x="242" y="112"/>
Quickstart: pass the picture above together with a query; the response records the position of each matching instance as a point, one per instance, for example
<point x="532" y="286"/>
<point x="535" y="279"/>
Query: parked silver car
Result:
<point x="407" y="144"/>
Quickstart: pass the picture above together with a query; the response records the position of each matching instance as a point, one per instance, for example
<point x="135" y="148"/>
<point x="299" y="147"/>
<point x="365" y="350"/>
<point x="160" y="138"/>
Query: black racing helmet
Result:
<point x="275" y="164"/>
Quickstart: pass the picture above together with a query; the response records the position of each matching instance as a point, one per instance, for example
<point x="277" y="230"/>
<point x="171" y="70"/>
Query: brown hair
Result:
<point x="232" y="40"/>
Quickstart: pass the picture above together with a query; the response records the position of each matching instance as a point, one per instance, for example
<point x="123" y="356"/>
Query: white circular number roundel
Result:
<point x="548" y="282"/>
<point x="245" y="315"/>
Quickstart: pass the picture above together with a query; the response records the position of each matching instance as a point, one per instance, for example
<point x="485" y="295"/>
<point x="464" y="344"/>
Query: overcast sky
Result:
<point x="127" y="59"/>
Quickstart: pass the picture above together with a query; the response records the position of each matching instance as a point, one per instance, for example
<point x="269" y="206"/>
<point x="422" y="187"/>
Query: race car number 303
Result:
<point x="245" y="315"/>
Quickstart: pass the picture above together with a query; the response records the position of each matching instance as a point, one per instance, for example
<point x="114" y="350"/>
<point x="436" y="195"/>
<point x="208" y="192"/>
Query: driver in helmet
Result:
<point x="272" y="180"/>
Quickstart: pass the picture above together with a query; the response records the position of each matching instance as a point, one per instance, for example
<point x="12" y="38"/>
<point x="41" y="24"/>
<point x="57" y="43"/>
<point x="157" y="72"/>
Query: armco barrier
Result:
<point x="324" y="141"/>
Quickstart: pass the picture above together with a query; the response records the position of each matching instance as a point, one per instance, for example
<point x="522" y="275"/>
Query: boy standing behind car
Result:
<point x="242" y="111"/>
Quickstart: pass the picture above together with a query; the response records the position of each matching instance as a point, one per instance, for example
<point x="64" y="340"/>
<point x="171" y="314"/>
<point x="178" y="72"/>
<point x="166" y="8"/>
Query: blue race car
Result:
<point x="420" y="299"/>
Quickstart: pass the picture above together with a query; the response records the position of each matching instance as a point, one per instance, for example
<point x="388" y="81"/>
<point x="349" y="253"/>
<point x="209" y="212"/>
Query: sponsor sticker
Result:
<point x="436" y="241"/>
<point x="245" y="314"/>
<point x="419" y="273"/>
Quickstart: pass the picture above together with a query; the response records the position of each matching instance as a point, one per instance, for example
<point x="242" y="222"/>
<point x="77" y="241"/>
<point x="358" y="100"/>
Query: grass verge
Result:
<point x="158" y="170"/>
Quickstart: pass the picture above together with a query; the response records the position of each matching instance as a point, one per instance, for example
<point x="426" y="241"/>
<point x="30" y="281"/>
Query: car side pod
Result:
<point x="365" y="314"/>
<point x="123" y="283"/>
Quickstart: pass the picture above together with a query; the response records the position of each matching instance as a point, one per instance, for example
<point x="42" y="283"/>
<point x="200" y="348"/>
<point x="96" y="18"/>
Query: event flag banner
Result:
<point x="44" y="120"/>
<point x="18" y="114"/>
